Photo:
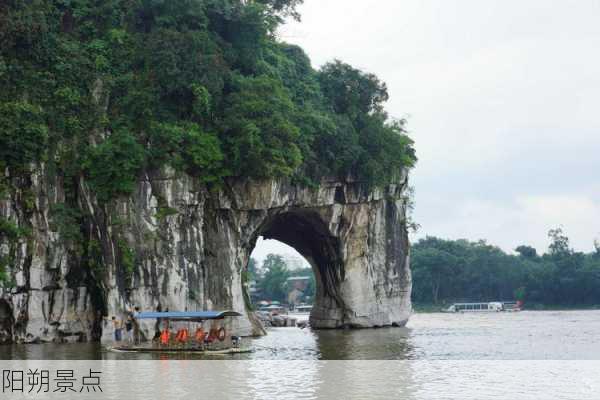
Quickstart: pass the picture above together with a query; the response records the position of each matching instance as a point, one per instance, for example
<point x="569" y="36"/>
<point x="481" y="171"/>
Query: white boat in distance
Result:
<point x="493" y="306"/>
<point x="303" y="309"/>
<point x="301" y="313"/>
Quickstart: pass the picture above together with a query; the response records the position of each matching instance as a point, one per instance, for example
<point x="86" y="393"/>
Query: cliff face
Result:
<point x="175" y="245"/>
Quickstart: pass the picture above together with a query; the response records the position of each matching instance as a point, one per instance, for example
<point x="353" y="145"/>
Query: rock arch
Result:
<point x="305" y="231"/>
<point x="355" y="240"/>
<point x="184" y="247"/>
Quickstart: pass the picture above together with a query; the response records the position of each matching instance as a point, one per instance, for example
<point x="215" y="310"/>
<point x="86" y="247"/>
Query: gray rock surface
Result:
<point x="176" y="245"/>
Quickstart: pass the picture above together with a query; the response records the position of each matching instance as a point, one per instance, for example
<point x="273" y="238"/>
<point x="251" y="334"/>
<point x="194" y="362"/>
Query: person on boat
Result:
<point x="165" y="335"/>
<point x="182" y="335"/>
<point x="157" y="324"/>
<point x="216" y="333"/>
<point x="156" y="337"/>
<point x="212" y="334"/>
<point x="129" y="329"/>
<point x="137" y="332"/>
<point x="209" y="336"/>
<point x="118" y="329"/>
<point x="200" y="334"/>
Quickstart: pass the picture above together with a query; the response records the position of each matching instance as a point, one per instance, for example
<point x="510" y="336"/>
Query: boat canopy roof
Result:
<point x="188" y="315"/>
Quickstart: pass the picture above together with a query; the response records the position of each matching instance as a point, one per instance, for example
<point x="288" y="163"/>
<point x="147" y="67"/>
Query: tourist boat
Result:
<point x="512" y="306"/>
<point x="183" y="332"/>
<point x="301" y="314"/>
<point x="494" y="306"/>
<point x="303" y="309"/>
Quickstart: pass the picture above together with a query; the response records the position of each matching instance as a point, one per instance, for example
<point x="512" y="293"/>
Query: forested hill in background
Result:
<point x="448" y="271"/>
<point x="106" y="88"/>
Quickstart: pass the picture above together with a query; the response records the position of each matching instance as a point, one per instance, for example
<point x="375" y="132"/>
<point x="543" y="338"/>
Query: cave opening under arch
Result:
<point x="305" y="232"/>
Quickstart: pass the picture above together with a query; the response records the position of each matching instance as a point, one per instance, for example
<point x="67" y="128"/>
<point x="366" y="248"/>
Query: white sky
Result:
<point x="503" y="101"/>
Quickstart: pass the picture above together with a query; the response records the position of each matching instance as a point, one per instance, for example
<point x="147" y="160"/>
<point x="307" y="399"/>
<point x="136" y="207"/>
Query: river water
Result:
<point x="526" y="355"/>
<point x="527" y="335"/>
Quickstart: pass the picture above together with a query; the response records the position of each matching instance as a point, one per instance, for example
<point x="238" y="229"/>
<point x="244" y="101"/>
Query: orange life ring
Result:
<point x="221" y="334"/>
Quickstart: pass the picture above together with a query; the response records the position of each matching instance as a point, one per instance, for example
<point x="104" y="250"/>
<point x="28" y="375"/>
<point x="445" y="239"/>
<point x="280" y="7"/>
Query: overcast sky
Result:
<point x="502" y="100"/>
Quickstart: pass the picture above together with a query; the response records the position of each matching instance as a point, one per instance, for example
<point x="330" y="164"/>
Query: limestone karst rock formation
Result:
<point x="174" y="244"/>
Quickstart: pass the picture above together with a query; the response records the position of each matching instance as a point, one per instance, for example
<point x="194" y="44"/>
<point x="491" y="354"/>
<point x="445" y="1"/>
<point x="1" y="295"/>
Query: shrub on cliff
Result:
<point x="112" y="165"/>
<point x="23" y="134"/>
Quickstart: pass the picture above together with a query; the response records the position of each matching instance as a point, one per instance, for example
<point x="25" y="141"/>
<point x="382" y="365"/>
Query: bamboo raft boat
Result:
<point x="215" y="341"/>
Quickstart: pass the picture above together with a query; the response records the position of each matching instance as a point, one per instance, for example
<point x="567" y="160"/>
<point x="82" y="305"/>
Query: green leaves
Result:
<point x="186" y="147"/>
<point x="112" y="166"/>
<point x="275" y="274"/>
<point x="260" y="137"/>
<point x="10" y="233"/>
<point x="201" y="105"/>
<point x="351" y="91"/>
<point x="201" y="85"/>
<point x="459" y="270"/>
<point x="23" y="134"/>
<point x="202" y="155"/>
<point x="379" y="148"/>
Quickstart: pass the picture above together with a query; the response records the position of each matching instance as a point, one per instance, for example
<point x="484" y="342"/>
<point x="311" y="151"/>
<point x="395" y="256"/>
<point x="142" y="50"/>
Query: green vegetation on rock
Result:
<point x="106" y="89"/>
<point x="127" y="261"/>
<point x="10" y="233"/>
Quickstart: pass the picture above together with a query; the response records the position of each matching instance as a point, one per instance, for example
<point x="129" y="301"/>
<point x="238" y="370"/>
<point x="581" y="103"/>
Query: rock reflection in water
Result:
<point x="372" y="344"/>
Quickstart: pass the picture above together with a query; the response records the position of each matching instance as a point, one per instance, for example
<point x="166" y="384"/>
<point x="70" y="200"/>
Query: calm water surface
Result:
<point x="527" y="355"/>
<point x="528" y="335"/>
